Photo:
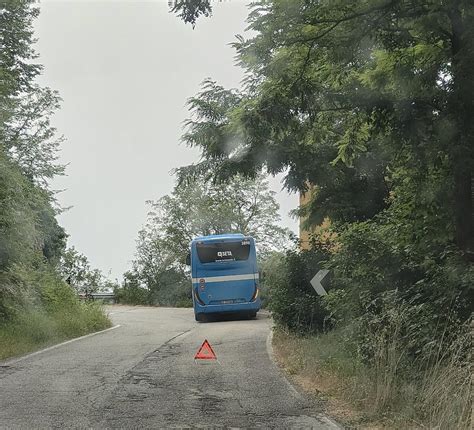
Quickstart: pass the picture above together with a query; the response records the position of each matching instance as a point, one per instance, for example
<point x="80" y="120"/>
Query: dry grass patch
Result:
<point x="380" y="397"/>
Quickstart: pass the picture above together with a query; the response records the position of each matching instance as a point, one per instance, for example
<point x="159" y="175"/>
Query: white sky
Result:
<point x="125" y="71"/>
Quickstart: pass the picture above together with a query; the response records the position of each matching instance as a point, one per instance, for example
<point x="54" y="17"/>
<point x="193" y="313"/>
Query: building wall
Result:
<point x="304" y="234"/>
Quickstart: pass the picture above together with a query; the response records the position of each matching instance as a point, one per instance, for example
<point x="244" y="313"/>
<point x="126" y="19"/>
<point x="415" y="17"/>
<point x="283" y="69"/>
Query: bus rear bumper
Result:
<point x="229" y="308"/>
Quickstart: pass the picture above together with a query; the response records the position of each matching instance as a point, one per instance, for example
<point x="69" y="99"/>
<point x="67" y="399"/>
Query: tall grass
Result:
<point x="44" y="310"/>
<point x="36" y="328"/>
<point x="431" y="392"/>
<point x="445" y="395"/>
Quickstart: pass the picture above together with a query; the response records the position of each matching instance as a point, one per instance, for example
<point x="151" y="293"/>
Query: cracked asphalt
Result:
<point x="142" y="375"/>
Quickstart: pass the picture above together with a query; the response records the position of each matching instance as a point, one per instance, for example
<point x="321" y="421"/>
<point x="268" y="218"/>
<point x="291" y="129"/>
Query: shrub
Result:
<point x="46" y="312"/>
<point x="272" y="268"/>
<point x="377" y="281"/>
<point x="172" y="291"/>
<point x="132" y="295"/>
<point x="291" y="298"/>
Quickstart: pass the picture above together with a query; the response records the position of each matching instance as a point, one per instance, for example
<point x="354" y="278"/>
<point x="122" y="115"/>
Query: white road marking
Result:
<point x="24" y="357"/>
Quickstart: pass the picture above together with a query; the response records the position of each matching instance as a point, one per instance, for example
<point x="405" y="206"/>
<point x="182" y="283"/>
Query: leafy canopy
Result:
<point x="199" y="208"/>
<point x="190" y="10"/>
<point x="355" y="98"/>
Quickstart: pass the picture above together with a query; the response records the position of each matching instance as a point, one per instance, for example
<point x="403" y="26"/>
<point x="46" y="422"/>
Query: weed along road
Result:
<point x="142" y="374"/>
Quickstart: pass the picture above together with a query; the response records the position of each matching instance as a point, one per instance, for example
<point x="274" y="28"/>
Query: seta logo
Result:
<point x="224" y="253"/>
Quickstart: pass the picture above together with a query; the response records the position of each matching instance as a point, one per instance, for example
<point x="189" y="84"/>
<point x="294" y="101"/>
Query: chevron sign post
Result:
<point x="316" y="282"/>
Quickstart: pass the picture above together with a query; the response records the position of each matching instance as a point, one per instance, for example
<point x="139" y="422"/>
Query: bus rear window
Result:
<point x="227" y="251"/>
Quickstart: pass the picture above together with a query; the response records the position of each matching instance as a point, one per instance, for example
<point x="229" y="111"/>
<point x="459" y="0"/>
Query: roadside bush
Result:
<point x="272" y="268"/>
<point x="376" y="281"/>
<point x="132" y="295"/>
<point x="48" y="312"/>
<point x="291" y="298"/>
<point x="173" y="290"/>
<point x="170" y="289"/>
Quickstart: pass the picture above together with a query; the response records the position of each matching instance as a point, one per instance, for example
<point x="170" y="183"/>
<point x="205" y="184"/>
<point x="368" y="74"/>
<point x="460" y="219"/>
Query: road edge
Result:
<point x="298" y="393"/>
<point x="9" y="362"/>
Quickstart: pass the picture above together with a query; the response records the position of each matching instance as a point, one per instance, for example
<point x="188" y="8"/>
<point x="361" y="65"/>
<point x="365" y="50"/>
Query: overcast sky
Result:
<point x="125" y="70"/>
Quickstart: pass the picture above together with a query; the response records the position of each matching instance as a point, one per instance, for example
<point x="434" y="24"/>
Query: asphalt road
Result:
<point x="143" y="375"/>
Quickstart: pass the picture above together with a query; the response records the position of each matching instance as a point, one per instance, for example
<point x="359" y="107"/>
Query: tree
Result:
<point x="198" y="208"/>
<point x="26" y="135"/>
<point x="370" y="102"/>
<point x="190" y="10"/>
<point x="32" y="242"/>
<point x="29" y="230"/>
<point x="16" y="57"/>
<point x="31" y="239"/>
<point x="131" y="292"/>
<point x="358" y="98"/>
<point x="157" y="270"/>
<point x="77" y="272"/>
<point x="29" y="138"/>
<point x="28" y="146"/>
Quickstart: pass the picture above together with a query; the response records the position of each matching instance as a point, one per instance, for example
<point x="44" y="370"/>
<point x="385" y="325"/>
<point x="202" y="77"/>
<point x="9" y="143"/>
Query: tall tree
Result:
<point x="26" y="134"/>
<point x="198" y="208"/>
<point x="29" y="138"/>
<point x="359" y="98"/>
<point x="30" y="236"/>
<point x="27" y="145"/>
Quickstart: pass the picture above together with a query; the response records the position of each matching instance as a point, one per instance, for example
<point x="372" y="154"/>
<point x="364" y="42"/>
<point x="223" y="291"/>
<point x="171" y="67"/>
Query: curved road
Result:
<point x="142" y="375"/>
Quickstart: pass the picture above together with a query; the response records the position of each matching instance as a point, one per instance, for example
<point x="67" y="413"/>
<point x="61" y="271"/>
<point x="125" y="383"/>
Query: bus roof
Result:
<point x="219" y="236"/>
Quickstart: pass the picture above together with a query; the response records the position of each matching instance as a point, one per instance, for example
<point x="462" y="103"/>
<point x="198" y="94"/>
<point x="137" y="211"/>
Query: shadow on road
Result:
<point x="212" y="318"/>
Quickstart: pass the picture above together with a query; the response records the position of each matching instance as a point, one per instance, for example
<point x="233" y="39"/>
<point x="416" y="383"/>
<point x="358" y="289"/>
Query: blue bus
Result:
<point x="224" y="275"/>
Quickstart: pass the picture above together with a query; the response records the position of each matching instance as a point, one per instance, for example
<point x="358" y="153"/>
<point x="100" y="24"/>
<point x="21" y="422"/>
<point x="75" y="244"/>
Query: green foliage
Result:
<point x="335" y="91"/>
<point x="33" y="328"/>
<point x="29" y="232"/>
<point x="291" y="298"/>
<point x="18" y="233"/>
<point x="29" y="139"/>
<point x="271" y="268"/>
<point x="131" y="295"/>
<point x="36" y="306"/>
<point x="434" y="393"/>
<point x="376" y="274"/>
<point x="131" y="292"/>
<point x="16" y="37"/>
<point x="371" y="103"/>
<point x="198" y="208"/>
<point x="45" y="310"/>
<point x="76" y="270"/>
<point x="190" y="10"/>
<point x="26" y="135"/>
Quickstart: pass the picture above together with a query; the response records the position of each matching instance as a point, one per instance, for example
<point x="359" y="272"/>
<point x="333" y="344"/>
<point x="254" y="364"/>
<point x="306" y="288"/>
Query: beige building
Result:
<point x="304" y="234"/>
<point x="322" y="232"/>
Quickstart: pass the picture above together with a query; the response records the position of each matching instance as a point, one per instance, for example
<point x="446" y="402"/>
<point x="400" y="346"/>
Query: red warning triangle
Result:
<point x="205" y="352"/>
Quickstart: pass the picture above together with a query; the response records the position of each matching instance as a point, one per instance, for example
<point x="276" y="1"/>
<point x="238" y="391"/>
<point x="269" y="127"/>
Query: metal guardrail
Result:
<point x="104" y="297"/>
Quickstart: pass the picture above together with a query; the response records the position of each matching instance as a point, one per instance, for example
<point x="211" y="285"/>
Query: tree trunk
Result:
<point x="462" y="111"/>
